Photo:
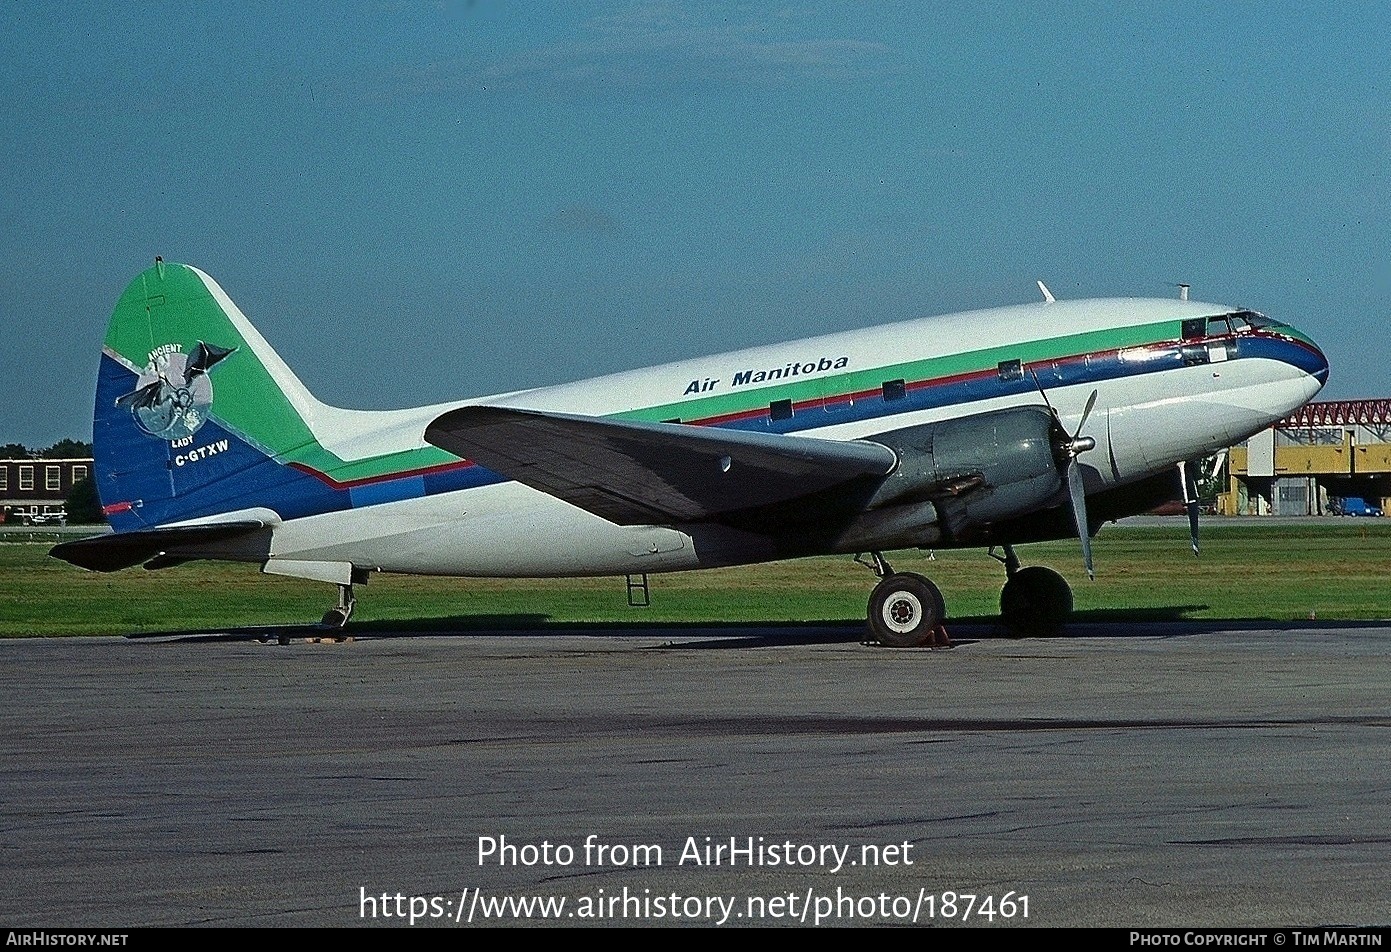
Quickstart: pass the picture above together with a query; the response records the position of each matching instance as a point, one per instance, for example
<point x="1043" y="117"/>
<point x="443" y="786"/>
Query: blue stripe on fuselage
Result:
<point x="1287" y="350"/>
<point x="134" y="467"/>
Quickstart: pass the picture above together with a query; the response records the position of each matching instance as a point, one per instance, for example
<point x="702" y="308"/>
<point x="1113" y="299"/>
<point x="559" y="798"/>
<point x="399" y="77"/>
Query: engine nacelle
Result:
<point x="976" y="470"/>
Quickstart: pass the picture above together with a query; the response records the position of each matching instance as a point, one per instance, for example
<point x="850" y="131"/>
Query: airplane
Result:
<point x="991" y="428"/>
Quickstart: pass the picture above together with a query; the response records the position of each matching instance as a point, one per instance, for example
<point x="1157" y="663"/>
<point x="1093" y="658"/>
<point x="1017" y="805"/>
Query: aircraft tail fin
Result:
<point x="196" y="415"/>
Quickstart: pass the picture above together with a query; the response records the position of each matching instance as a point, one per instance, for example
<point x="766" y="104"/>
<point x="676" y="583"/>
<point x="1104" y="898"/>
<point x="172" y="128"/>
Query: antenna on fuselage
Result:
<point x="1183" y="292"/>
<point x="1047" y="294"/>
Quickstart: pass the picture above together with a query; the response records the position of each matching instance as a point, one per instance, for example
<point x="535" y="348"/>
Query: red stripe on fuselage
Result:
<point x="762" y="411"/>
<point x="368" y="480"/>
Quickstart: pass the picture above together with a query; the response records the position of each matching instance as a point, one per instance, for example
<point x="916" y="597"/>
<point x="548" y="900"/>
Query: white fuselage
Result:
<point x="1143" y="422"/>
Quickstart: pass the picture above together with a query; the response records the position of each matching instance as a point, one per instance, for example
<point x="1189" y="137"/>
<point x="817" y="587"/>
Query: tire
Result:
<point x="334" y="619"/>
<point x="1036" y="601"/>
<point x="904" y="611"/>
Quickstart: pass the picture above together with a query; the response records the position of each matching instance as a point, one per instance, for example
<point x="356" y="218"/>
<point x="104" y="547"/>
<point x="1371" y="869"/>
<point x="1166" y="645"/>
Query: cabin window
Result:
<point x="1217" y="326"/>
<point x="1011" y="370"/>
<point x="780" y="410"/>
<point x="52" y="478"/>
<point x="895" y="389"/>
<point x="1195" y="328"/>
<point x="26" y="478"/>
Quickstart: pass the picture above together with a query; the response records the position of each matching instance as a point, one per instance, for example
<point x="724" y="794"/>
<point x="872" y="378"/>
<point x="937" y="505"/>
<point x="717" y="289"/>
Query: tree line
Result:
<point x="63" y="449"/>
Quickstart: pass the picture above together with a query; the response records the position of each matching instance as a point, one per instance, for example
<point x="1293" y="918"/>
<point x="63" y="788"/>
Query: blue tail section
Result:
<point x="144" y="482"/>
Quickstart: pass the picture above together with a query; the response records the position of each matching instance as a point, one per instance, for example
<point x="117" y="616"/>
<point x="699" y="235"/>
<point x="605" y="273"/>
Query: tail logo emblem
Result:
<point x="171" y="399"/>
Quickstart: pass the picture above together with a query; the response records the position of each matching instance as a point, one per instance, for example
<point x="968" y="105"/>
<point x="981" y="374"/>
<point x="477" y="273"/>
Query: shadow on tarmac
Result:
<point x="1162" y="622"/>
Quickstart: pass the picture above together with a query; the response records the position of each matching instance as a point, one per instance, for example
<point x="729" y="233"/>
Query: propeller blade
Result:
<point x="1086" y="412"/>
<point x="1078" y="493"/>
<point x="1041" y="392"/>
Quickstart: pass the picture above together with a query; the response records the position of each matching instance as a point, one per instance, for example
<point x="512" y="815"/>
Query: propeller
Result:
<point x="1066" y="449"/>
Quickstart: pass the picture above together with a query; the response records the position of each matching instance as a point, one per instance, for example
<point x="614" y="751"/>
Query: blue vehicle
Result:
<point x="1355" y="506"/>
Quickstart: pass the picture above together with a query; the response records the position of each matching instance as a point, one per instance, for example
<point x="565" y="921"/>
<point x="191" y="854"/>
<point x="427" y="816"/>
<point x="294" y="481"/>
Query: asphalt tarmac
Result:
<point x="1169" y="774"/>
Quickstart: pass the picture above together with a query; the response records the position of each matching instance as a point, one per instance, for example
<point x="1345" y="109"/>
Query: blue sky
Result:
<point x="422" y="201"/>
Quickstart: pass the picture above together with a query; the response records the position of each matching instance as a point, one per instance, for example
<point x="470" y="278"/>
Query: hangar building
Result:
<point x="1313" y="460"/>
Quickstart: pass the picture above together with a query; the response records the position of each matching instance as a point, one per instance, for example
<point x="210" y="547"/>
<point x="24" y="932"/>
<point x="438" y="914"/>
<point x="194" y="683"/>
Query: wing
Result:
<point x="639" y="473"/>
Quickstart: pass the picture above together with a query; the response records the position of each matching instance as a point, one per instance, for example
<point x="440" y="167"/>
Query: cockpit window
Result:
<point x="1254" y="320"/>
<point x="1218" y="326"/>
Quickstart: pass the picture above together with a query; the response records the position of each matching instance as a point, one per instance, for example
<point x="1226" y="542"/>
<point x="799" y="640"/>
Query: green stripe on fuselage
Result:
<point x="170" y="304"/>
<point x="757" y="397"/>
<point x="1298" y="335"/>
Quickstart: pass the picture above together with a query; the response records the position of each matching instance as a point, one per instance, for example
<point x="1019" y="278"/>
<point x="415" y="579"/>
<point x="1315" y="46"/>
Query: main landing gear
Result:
<point x="1035" y="600"/>
<point x="336" y="618"/>
<point x="905" y="609"/>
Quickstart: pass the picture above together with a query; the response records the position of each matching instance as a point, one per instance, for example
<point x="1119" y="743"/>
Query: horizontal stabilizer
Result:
<point x="635" y="473"/>
<point x="108" y="553"/>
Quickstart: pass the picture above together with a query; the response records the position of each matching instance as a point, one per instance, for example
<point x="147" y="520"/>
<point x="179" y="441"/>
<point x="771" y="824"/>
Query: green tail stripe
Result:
<point x="169" y="304"/>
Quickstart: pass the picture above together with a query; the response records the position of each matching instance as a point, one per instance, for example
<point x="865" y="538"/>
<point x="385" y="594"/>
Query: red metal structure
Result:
<point x="1339" y="413"/>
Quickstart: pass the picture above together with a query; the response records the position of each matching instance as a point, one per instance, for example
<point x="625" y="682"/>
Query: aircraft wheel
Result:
<point x="334" y="619"/>
<point x="904" y="611"/>
<point x="1035" y="601"/>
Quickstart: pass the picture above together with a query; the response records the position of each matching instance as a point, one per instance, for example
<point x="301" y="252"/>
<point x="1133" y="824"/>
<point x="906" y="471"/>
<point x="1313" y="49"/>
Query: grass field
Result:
<point x="1278" y="573"/>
